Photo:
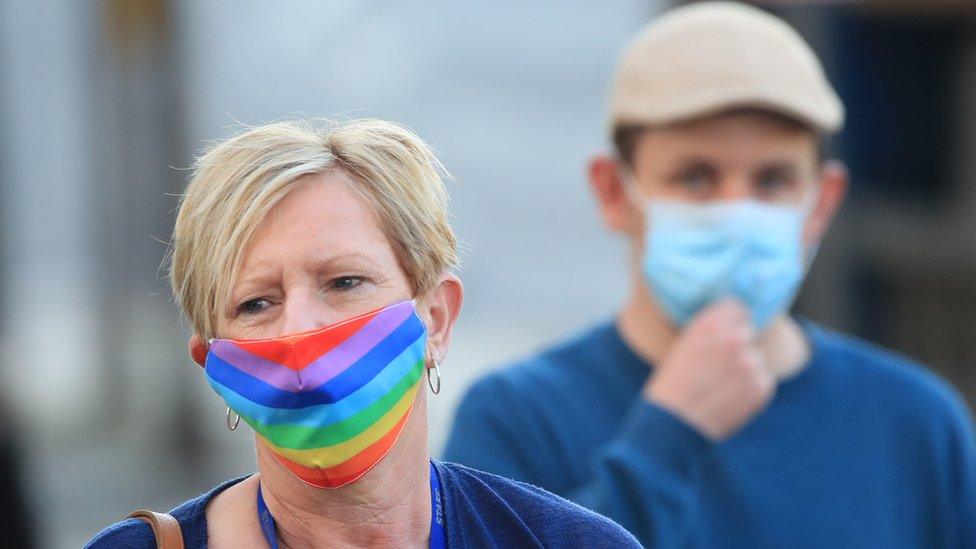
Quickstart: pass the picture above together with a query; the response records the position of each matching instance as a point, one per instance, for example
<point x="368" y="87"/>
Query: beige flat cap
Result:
<point x="711" y="56"/>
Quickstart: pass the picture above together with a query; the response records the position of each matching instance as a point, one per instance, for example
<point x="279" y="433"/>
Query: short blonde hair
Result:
<point x="238" y="181"/>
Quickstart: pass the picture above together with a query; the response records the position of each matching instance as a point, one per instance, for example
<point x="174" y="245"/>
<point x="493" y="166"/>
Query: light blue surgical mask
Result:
<point x="695" y="254"/>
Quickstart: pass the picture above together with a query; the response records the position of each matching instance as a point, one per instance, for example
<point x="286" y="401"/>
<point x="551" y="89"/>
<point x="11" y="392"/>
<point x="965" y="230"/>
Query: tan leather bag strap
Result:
<point x="164" y="527"/>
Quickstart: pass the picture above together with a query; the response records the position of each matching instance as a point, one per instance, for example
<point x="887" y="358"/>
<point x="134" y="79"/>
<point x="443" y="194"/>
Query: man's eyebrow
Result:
<point x="788" y="166"/>
<point x="695" y="160"/>
<point x="689" y="163"/>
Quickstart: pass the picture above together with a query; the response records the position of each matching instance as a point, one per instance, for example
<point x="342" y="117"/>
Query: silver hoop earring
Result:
<point x="434" y="388"/>
<point x="231" y="427"/>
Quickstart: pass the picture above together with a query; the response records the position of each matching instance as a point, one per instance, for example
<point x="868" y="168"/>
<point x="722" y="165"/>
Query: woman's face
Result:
<point x="318" y="258"/>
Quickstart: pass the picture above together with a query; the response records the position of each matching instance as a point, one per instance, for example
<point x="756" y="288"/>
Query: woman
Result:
<point x="314" y="266"/>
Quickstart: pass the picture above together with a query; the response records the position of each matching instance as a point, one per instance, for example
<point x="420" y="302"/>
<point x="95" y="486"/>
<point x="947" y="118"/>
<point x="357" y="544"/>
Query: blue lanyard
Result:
<point x="438" y="536"/>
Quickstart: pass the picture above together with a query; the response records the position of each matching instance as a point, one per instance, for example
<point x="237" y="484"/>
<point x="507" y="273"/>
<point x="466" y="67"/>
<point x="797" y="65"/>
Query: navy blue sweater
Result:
<point x="480" y="510"/>
<point x="859" y="449"/>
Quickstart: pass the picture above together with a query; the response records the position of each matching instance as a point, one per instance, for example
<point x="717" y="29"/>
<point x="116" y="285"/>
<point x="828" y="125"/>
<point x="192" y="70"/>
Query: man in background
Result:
<point x="705" y="415"/>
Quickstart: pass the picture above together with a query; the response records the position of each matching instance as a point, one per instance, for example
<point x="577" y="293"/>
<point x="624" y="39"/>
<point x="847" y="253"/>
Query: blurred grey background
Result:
<point x="104" y="103"/>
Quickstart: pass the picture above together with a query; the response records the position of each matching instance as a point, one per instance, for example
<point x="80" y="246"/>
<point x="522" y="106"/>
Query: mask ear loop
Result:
<point x="413" y="303"/>
<point x="807" y="207"/>
<point x="231" y="425"/>
<point x="433" y="380"/>
<point x="810" y="202"/>
<point x="628" y="181"/>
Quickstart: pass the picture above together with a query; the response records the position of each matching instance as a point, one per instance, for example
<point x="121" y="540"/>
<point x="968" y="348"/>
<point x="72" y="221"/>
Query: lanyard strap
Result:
<point x="438" y="535"/>
<point x="267" y="521"/>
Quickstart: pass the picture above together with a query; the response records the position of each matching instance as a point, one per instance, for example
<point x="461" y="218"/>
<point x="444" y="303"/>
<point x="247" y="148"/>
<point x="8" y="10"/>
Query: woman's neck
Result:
<point x="648" y="332"/>
<point x="387" y="507"/>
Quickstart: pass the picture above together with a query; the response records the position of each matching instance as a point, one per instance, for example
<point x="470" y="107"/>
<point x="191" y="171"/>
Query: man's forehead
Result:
<point x="728" y="139"/>
<point x="736" y="125"/>
<point x="739" y="119"/>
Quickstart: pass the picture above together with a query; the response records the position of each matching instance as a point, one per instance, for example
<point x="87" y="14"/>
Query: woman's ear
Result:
<point x="198" y="349"/>
<point x="445" y="305"/>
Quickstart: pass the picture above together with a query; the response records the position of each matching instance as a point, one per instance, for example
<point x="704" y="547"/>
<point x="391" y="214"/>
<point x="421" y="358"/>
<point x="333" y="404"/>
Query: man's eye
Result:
<point x="344" y="283"/>
<point x="774" y="183"/>
<point x="695" y="181"/>
<point x="253" y="305"/>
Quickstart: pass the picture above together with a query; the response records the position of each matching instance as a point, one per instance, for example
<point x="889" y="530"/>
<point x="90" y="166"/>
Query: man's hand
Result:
<point x="713" y="376"/>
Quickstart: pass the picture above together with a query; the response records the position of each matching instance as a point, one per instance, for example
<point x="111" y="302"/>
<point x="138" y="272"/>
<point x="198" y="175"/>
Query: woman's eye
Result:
<point x="344" y="283"/>
<point x="252" y="306"/>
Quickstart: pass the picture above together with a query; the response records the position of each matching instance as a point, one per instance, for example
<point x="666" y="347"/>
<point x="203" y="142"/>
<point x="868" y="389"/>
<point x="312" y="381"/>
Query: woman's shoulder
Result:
<point x="490" y="508"/>
<point x="136" y="534"/>
<point x="132" y="533"/>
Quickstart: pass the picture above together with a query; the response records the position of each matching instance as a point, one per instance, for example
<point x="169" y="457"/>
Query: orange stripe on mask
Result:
<point x="351" y="469"/>
<point x="305" y="350"/>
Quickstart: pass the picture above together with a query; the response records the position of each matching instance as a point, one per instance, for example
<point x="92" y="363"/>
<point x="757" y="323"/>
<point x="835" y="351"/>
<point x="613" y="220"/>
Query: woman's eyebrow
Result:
<point x="344" y="260"/>
<point x="256" y="276"/>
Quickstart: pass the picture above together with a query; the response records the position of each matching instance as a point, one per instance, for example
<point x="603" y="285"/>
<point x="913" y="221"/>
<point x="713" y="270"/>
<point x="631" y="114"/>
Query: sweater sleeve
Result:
<point x="962" y="483"/>
<point x="494" y="432"/>
<point x="644" y="478"/>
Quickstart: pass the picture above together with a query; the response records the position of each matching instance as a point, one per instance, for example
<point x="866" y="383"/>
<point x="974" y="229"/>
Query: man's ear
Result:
<point x="618" y="212"/>
<point x="445" y="305"/>
<point x="833" y="190"/>
<point x="198" y="349"/>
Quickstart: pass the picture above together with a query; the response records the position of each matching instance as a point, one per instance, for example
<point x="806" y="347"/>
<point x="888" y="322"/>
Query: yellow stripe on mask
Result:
<point x="330" y="456"/>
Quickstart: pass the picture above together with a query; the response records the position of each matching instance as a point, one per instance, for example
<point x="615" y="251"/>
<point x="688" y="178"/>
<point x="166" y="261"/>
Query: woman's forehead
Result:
<point x="321" y="219"/>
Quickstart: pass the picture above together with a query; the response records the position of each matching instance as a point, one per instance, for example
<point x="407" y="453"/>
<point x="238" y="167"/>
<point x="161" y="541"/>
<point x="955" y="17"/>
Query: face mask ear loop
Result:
<point x="413" y="303"/>
<point x="433" y="374"/>
<point x="809" y="203"/>
<point x="807" y="207"/>
<point x="629" y="184"/>
<point x="231" y="424"/>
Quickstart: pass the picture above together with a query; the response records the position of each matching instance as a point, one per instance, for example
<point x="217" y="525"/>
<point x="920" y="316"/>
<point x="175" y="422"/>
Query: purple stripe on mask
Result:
<point x="322" y="369"/>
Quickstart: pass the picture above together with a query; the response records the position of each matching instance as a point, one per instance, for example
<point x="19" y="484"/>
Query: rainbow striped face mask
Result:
<point x="329" y="403"/>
